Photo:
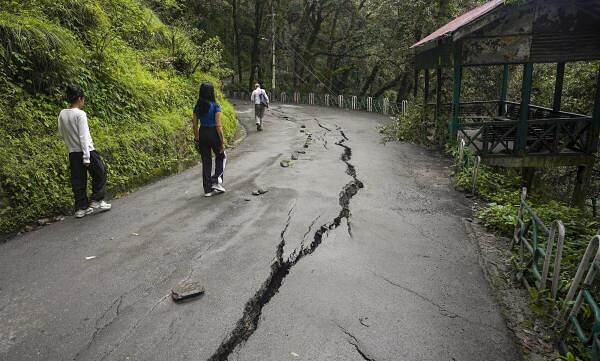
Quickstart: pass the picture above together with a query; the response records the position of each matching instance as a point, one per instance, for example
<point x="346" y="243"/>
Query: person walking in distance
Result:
<point x="209" y="137"/>
<point x="83" y="158"/>
<point x="261" y="101"/>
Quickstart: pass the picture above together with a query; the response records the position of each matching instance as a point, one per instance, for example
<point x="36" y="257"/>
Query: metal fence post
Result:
<point x="354" y="102"/>
<point x="341" y="101"/>
<point x="369" y="104"/>
<point x="583" y="289"/>
<point x="283" y="97"/>
<point x="386" y="102"/>
<point x="311" y="98"/>
<point x="326" y="100"/>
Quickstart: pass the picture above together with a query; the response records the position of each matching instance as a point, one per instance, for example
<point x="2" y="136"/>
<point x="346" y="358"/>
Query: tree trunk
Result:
<point x="443" y="11"/>
<point x="367" y="86"/>
<point x="404" y="88"/>
<point x="236" y="41"/>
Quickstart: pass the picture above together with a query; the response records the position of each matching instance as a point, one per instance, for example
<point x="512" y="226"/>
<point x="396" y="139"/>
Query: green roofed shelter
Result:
<point x="524" y="33"/>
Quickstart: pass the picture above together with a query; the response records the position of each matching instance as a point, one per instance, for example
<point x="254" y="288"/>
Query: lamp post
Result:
<point x="272" y="15"/>
<point x="273" y="48"/>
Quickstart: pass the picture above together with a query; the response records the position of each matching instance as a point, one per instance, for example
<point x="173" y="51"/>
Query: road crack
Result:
<point x="321" y="125"/>
<point x="102" y="323"/>
<point x="443" y="310"/>
<point x="280" y="268"/>
<point x="357" y="345"/>
<point x="135" y="326"/>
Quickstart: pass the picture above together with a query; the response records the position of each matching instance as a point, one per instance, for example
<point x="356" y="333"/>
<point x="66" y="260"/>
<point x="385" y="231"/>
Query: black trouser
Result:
<point x="208" y="141"/>
<point x="79" y="178"/>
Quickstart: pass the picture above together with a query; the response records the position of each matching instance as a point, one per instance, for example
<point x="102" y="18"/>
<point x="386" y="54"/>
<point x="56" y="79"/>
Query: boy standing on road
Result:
<point x="73" y="127"/>
<point x="261" y="101"/>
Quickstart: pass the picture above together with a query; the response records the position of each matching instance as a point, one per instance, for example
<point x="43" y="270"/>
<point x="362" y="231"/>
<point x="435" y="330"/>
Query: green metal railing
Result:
<point x="584" y="294"/>
<point x="530" y="233"/>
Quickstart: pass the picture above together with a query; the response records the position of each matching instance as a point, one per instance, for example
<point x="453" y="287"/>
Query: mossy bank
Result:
<point x="140" y="77"/>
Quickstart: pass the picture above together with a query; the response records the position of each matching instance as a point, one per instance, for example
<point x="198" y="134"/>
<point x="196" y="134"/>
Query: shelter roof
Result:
<point x="460" y="21"/>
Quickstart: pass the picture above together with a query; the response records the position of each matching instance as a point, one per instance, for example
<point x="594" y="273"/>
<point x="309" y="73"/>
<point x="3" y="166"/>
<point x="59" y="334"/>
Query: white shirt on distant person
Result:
<point x="255" y="97"/>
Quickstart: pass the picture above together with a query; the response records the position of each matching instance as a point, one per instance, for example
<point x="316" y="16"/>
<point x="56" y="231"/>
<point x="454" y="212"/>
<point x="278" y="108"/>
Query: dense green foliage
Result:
<point x="340" y="47"/>
<point x="140" y="77"/>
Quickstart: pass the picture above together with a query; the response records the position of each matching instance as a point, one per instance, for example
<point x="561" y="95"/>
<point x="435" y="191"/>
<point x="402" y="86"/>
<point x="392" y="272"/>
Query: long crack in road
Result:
<point x="280" y="268"/>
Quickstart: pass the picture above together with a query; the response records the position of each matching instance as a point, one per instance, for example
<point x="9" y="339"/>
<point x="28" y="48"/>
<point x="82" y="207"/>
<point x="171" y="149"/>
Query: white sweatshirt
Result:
<point x="255" y="97"/>
<point x="73" y="127"/>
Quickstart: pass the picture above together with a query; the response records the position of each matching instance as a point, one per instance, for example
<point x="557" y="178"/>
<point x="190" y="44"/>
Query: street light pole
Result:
<point x="273" y="48"/>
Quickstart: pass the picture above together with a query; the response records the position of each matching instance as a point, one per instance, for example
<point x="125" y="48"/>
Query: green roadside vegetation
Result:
<point x="140" y="76"/>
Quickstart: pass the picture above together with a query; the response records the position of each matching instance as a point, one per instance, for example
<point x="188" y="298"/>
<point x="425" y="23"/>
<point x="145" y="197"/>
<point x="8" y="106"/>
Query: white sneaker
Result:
<point x="101" y="206"/>
<point x="210" y="194"/>
<point x="218" y="187"/>
<point x="80" y="213"/>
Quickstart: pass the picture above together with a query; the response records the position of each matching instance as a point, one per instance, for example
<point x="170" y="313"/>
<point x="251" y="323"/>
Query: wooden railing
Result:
<point x="553" y="135"/>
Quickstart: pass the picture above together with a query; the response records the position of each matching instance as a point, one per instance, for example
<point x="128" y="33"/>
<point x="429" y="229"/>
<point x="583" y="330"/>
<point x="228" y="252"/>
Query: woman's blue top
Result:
<point x="207" y="120"/>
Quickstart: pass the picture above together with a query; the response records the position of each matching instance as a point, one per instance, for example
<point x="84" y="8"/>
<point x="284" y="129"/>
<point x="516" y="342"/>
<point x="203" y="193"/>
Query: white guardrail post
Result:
<point x="283" y="97"/>
<point x="404" y="106"/>
<point x="354" y="102"/>
<point x="341" y="101"/>
<point x="311" y="98"/>
<point x="369" y="104"/>
<point x="386" y="103"/>
<point x="326" y="100"/>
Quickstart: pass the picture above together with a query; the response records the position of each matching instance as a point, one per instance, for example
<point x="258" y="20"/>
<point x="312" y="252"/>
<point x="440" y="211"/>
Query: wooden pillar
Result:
<point x="416" y="83"/>
<point x="584" y="172"/>
<point x="426" y="90"/>
<point x="504" y="90"/>
<point x="528" y="176"/>
<point x="454" y="123"/>
<point x="558" y="86"/>
<point x="594" y="132"/>
<point x="582" y="183"/>
<point x="521" y="141"/>
<point x="425" y="96"/>
<point x="438" y="105"/>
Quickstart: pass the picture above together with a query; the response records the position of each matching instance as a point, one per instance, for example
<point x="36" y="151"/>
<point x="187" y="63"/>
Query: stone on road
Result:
<point x="357" y="252"/>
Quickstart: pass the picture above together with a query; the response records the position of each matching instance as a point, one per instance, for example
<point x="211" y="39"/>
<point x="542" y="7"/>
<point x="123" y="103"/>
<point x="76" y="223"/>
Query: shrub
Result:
<point x="408" y="127"/>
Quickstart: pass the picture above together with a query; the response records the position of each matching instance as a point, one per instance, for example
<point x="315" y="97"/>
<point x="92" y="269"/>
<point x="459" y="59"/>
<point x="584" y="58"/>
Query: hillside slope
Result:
<point x="140" y="77"/>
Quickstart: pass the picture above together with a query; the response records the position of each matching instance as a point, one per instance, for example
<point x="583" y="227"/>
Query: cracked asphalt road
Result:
<point x="357" y="252"/>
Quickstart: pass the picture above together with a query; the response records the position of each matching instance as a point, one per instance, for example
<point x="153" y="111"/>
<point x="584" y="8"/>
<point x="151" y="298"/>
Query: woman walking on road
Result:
<point x="209" y="137"/>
